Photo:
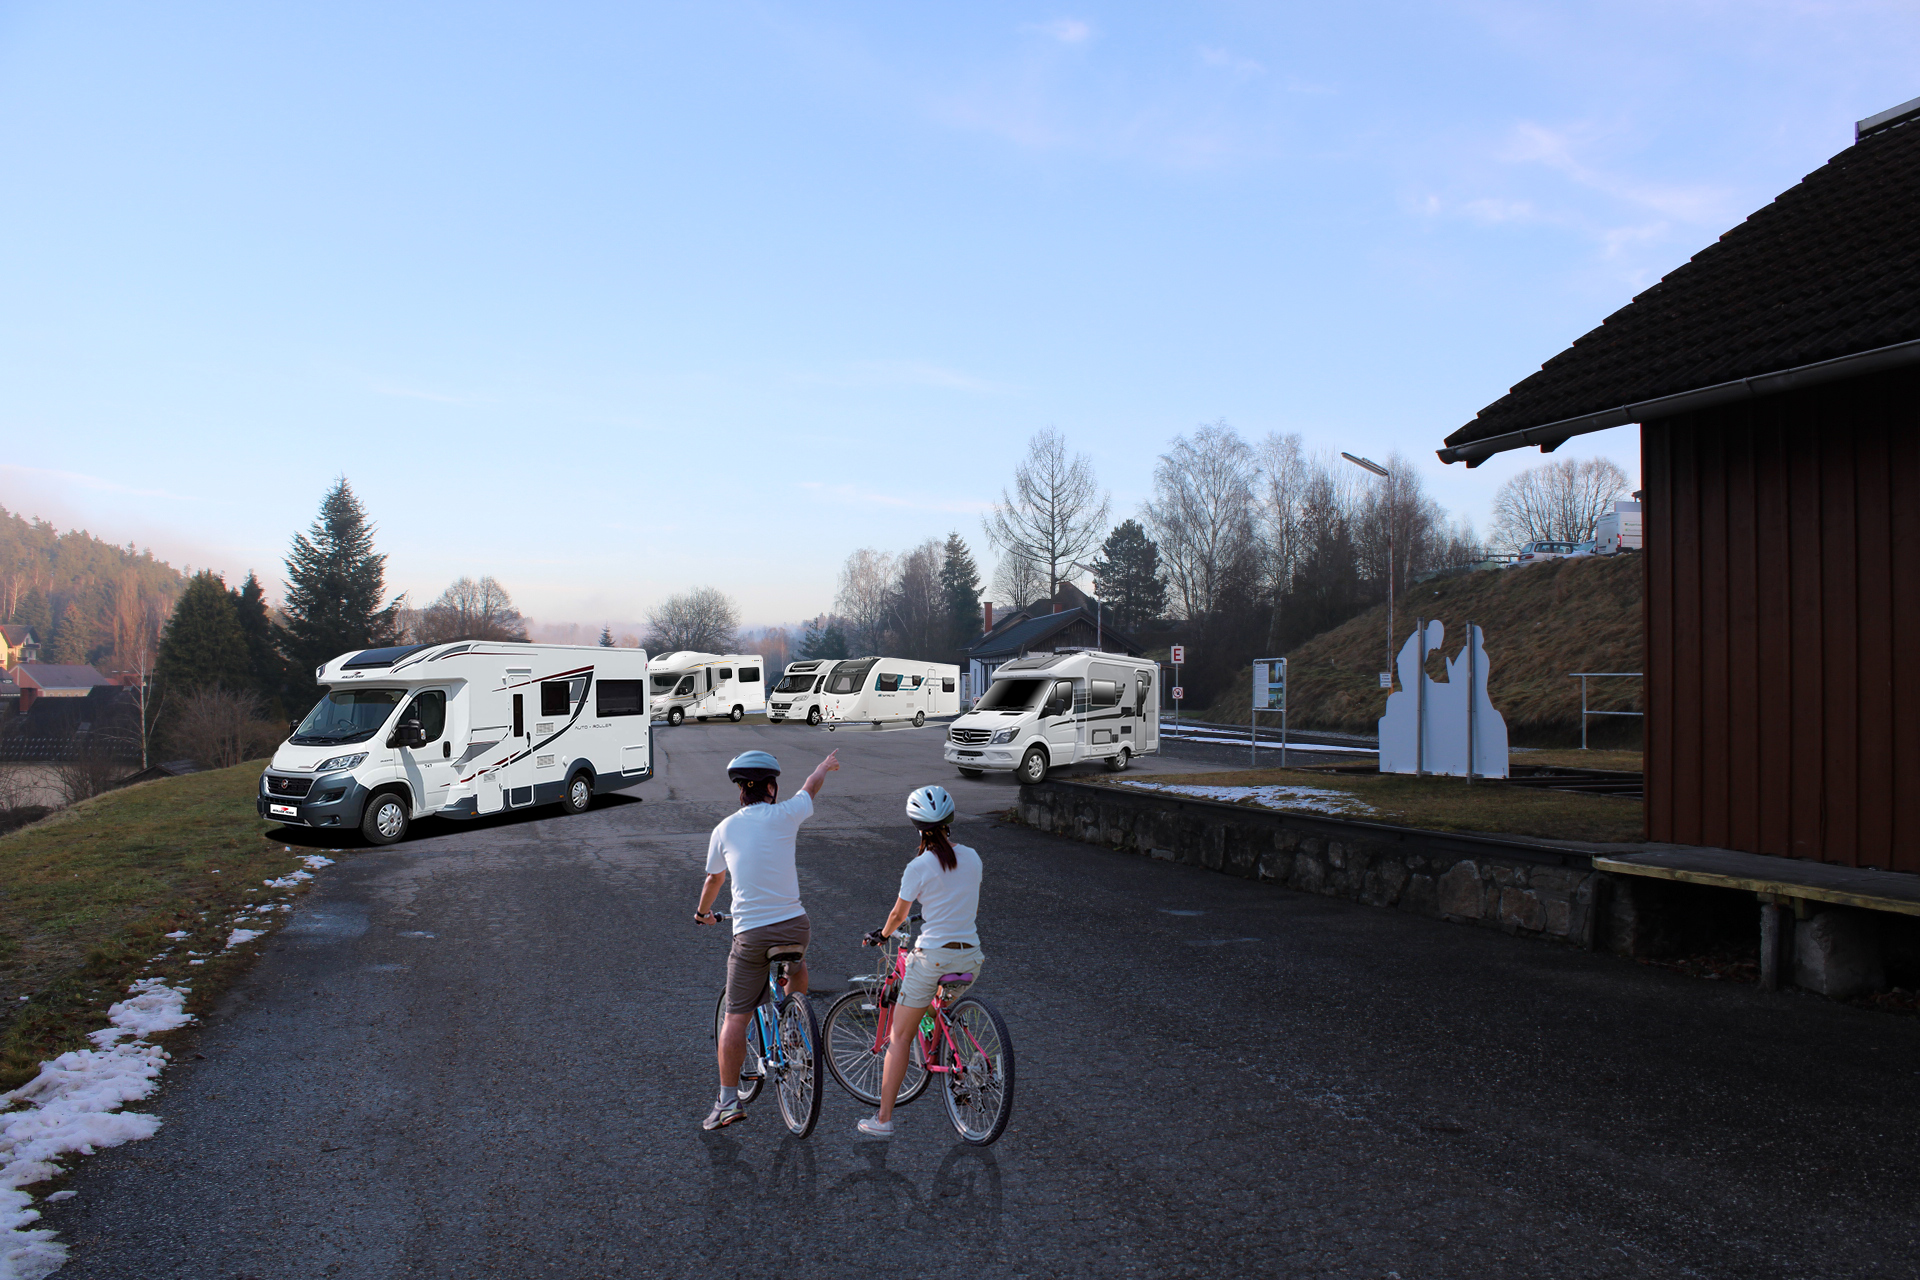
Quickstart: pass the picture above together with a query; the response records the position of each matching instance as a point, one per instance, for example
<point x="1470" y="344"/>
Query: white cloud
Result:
<point x="1558" y="150"/>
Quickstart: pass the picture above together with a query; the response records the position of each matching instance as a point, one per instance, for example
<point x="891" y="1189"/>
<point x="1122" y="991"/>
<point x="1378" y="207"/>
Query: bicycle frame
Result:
<point x="766" y="1016"/>
<point x="936" y="1009"/>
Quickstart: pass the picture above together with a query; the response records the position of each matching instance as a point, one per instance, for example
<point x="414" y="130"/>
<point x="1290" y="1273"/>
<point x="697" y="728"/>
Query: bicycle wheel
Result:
<point x="979" y="1079"/>
<point x="797" y="1081"/>
<point x="753" y="1069"/>
<point x="849" y="1035"/>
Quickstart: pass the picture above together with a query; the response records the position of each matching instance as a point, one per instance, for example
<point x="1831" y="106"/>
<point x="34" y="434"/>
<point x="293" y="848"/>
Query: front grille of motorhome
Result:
<point x="970" y="736"/>
<point x="781" y="706"/>
<point x="276" y="785"/>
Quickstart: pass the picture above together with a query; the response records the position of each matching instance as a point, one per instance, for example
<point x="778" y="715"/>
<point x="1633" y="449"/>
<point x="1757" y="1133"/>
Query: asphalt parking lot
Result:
<point x="483" y="1053"/>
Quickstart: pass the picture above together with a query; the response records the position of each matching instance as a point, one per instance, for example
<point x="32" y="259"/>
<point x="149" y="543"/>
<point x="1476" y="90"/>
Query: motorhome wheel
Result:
<point x="737" y="714"/>
<point x="971" y="773"/>
<point x="675" y="716"/>
<point x="385" y="820"/>
<point x="1118" y="761"/>
<point x="919" y="718"/>
<point x="1033" y="766"/>
<point x="579" y="793"/>
<point x="813" y="715"/>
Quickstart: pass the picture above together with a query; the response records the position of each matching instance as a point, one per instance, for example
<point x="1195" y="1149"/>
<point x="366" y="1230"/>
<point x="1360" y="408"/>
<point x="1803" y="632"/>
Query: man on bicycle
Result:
<point x="756" y="846"/>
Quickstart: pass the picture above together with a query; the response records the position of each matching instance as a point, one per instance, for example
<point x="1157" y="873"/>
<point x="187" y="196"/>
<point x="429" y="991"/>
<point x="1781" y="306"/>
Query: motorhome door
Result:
<point x="1147" y="711"/>
<point x="516" y="776"/>
<point x="429" y="767"/>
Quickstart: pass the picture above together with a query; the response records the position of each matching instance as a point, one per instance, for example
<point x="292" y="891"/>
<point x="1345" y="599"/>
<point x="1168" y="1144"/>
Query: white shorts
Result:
<point x="924" y="969"/>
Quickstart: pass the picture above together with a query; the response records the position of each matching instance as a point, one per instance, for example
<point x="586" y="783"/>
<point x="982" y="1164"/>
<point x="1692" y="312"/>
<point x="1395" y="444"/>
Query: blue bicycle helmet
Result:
<point x="751" y="766"/>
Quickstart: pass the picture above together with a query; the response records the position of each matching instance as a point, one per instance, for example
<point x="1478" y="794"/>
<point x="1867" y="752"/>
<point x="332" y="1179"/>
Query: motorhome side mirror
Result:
<point x="409" y="734"/>
<point x="293" y="727"/>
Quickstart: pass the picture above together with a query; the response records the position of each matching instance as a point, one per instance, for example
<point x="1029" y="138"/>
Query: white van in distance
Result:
<point x="797" y="696"/>
<point x="461" y="730"/>
<point x="706" y="686"/>
<point x="1618" y="530"/>
<point x="1052" y="709"/>
<point x="879" y="691"/>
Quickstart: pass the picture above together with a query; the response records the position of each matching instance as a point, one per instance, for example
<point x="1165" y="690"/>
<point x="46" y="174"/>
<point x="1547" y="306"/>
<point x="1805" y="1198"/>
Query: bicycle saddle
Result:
<point x="955" y="979"/>
<point x="785" y="957"/>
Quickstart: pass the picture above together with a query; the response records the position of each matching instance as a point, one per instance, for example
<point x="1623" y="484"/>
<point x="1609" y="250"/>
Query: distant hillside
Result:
<point x="1540" y="622"/>
<point x="85" y="598"/>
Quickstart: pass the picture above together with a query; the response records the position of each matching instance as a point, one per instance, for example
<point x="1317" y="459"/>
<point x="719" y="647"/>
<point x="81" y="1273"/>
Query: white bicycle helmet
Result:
<point x="930" y="804"/>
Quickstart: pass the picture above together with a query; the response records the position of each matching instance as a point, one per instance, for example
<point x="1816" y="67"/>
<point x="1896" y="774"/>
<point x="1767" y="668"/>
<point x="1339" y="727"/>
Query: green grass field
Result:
<point x="88" y="895"/>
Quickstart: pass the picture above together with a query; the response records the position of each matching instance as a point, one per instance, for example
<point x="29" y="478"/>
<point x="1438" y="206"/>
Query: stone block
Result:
<point x="1420" y="896"/>
<point x="1837" y="953"/>
<point x="1507" y="877"/>
<point x="1546" y="880"/>
<point x="1460" y="891"/>
<point x="1521" y="909"/>
<point x="1559" y="916"/>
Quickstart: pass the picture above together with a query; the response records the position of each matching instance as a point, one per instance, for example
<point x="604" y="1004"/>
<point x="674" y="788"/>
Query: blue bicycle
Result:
<point x="783" y="1040"/>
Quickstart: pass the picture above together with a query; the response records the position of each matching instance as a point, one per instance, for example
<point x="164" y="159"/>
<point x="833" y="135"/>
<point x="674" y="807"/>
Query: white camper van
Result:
<point x="707" y="686"/>
<point x="1051" y="709"/>
<point x="461" y="730"/>
<point x="1618" y="530"/>
<point x="797" y="696"/>
<point x="881" y="690"/>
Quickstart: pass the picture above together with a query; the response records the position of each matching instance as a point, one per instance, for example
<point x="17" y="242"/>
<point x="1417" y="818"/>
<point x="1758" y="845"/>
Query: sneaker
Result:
<point x="871" y="1126"/>
<point x="724" y="1114"/>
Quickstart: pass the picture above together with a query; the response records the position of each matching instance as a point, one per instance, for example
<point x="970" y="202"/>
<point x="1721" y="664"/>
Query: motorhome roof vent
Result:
<point x="380" y="657"/>
<point x="1034" y="662"/>
<point x="1887" y="119"/>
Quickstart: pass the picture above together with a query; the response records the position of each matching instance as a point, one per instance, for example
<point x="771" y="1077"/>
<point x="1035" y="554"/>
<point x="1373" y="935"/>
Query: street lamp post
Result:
<point x="1384" y="474"/>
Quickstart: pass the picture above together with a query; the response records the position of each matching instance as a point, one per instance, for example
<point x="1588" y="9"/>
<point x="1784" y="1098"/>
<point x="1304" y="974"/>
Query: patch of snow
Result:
<point x="289" y="880"/>
<point x="61" y="1195"/>
<point x="1315" y="799"/>
<point x="239" y="936"/>
<point x="178" y="934"/>
<point x="416" y="933"/>
<point x="314" y="861"/>
<point x="74" y="1108"/>
<point x="196" y="962"/>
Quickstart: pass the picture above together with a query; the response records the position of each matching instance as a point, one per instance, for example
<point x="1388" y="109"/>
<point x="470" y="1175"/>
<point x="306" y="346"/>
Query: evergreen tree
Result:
<point x="335" y="585"/>
<point x="204" y="643"/>
<point x="33" y="611"/>
<point x="960" y="586"/>
<point x="71" y="637"/>
<point x="606" y="637"/>
<point x="823" y="640"/>
<point x="269" y="669"/>
<point x="1127" y="577"/>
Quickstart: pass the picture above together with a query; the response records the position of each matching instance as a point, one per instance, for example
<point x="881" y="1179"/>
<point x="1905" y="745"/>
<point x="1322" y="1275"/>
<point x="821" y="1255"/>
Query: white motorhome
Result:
<point x="461" y="730"/>
<point x="707" y="686"/>
<point x="797" y="696"/>
<point x="878" y="691"/>
<point x="1618" y="530"/>
<point x="1051" y="709"/>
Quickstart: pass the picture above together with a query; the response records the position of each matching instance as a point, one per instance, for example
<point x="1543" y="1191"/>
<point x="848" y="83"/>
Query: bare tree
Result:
<point x="1561" y="500"/>
<point x="1055" y="513"/>
<point x="218" y="727"/>
<point x="469" y="610"/>
<point x="919" y="606"/>
<point x="1018" y="581"/>
<point x="867" y="583"/>
<point x="1202" y="513"/>
<point x="1286" y="476"/>
<point x="703" y="620"/>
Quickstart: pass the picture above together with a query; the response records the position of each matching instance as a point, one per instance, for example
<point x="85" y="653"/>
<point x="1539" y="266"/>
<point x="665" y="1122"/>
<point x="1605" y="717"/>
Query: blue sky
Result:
<point x="609" y="301"/>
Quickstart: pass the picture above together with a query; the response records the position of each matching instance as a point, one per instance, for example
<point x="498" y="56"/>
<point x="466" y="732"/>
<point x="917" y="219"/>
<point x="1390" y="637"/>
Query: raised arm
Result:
<point x="818" y="778"/>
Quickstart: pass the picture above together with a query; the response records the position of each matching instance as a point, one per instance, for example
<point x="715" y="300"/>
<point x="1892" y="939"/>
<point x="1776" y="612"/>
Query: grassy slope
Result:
<point x="1540" y="622"/>
<point x="87" y="895"/>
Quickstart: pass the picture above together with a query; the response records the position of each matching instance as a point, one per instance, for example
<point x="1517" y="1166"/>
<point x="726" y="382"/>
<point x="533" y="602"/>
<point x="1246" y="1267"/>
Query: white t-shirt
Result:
<point x="755" y="848"/>
<point x="949" y="900"/>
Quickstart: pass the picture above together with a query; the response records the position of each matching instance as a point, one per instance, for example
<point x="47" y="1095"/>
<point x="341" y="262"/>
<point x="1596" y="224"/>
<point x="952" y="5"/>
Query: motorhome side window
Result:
<point x="946" y="684"/>
<point x="686" y="687"/>
<point x="553" y="697"/>
<point x="430" y="709"/>
<point x="889" y="682"/>
<point x="726" y="673"/>
<point x="849" y="677"/>
<point x="750" y="675"/>
<point x="619" y="697"/>
<point x="1106" y="693"/>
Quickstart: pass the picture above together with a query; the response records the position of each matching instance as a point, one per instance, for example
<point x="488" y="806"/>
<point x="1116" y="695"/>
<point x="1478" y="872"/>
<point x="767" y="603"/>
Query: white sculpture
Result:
<point x="1430" y="722"/>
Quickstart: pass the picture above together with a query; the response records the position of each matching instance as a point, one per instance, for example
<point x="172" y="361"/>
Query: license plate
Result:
<point x="284" y="810"/>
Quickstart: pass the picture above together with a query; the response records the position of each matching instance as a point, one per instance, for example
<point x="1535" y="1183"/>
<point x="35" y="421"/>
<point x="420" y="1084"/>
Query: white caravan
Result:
<point x="1052" y="709"/>
<point x="707" y="686"/>
<point x="878" y="690"/>
<point x="1618" y="530"/>
<point x="797" y="696"/>
<point x="461" y="730"/>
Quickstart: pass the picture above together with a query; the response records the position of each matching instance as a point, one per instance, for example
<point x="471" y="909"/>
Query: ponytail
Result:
<point x="934" y="839"/>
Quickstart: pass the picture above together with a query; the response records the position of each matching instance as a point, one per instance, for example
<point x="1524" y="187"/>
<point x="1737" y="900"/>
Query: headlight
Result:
<point x="1004" y="736"/>
<point x="339" y="762"/>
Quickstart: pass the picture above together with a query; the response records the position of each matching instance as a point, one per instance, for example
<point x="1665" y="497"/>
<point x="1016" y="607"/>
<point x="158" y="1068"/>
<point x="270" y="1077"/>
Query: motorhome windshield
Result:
<point x="663" y="683"/>
<point x="685" y="689"/>
<point x="795" y="682"/>
<point x="1012" y="695"/>
<point x="849" y="676"/>
<point x="347" y="715"/>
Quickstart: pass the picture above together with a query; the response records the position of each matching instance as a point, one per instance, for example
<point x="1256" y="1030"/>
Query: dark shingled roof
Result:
<point x="1830" y="268"/>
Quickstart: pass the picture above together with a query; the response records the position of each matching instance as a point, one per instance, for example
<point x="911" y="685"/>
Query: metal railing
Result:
<point x="1585" y="676"/>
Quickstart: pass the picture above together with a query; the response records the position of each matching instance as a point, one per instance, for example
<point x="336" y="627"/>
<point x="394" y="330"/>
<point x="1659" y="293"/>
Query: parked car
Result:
<point x="1542" y="550"/>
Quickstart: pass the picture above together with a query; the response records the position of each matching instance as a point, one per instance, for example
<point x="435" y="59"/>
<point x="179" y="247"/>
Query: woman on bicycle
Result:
<point x="945" y="878"/>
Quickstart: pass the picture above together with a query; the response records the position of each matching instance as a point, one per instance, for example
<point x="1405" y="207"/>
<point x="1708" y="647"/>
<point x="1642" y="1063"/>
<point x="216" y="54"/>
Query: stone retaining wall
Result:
<point x="1526" y="889"/>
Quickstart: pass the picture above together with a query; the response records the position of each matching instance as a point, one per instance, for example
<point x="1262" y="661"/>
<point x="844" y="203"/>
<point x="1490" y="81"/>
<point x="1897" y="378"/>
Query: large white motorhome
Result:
<point x="877" y="691"/>
<point x="797" y="696"/>
<point x="707" y="686"/>
<point x="461" y="730"/>
<point x="1052" y="709"/>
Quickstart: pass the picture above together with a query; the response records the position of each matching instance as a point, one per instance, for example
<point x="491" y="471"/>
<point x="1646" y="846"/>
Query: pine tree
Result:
<point x="823" y="640"/>
<point x="34" y="612"/>
<point x="960" y="585"/>
<point x="71" y="638"/>
<point x="335" y="585"/>
<point x="606" y="637"/>
<point x="1127" y="576"/>
<point x="204" y="643"/>
<point x="268" y="668"/>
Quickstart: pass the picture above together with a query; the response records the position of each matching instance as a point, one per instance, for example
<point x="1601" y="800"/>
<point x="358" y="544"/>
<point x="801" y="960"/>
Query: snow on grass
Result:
<point x="314" y="861"/>
<point x="1315" y="799"/>
<point x="289" y="880"/>
<point x="240" y="936"/>
<point x="73" y="1107"/>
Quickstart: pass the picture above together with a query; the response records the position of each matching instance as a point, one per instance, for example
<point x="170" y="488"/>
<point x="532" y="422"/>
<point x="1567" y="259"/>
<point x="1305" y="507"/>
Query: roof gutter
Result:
<point x="1554" y="434"/>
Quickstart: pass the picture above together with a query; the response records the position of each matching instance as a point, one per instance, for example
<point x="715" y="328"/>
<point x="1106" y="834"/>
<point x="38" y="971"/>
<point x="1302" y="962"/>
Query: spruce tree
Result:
<point x="823" y="640"/>
<point x="204" y="643"/>
<point x="336" y="584"/>
<point x="33" y="611"/>
<point x="1127" y="576"/>
<point x="606" y="637"/>
<point x="268" y="668"/>
<point x="71" y="637"/>
<point x="960" y="585"/>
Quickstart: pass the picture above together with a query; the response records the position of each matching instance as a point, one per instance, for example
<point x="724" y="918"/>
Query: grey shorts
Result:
<point x="747" y="961"/>
<point x="925" y="969"/>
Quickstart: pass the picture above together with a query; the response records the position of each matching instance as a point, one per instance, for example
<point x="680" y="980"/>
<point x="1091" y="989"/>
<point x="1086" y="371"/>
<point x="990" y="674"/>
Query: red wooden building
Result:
<point x="1776" y="380"/>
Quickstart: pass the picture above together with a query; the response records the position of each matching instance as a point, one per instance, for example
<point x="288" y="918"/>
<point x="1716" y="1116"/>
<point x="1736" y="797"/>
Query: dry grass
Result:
<point x="1575" y="758"/>
<point x="1541" y="622"/>
<point x="86" y="897"/>
<point x="1449" y="804"/>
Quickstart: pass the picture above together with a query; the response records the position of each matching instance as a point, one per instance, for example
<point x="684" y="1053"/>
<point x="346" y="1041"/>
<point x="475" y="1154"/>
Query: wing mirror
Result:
<point x="409" y="734"/>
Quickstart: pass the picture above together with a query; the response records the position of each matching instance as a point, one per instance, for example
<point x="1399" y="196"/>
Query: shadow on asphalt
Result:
<point x="427" y="828"/>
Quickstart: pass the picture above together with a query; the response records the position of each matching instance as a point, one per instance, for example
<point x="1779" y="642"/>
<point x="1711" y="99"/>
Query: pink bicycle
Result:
<point x="962" y="1039"/>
